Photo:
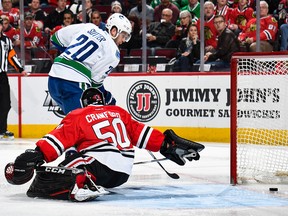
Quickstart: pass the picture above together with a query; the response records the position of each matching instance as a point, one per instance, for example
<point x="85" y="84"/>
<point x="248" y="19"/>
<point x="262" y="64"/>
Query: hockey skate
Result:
<point x="87" y="193"/>
<point x="7" y="135"/>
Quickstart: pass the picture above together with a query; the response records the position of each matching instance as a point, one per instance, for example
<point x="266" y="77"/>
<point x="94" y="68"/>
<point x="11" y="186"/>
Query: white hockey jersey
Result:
<point x="89" y="54"/>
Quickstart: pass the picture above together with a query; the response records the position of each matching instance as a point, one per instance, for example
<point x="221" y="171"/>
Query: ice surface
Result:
<point x="203" y="189"/>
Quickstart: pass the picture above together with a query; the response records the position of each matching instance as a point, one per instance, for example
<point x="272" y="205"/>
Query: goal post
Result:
<point x="259" y="117"/>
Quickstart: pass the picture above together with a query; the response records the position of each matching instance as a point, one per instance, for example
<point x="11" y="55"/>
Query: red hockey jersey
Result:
<point x="33" y="37"/>
<point x="13" y="14"/>
<point x="268" y="29"/>
<point x="241" y="18"/>
<point x="106" y="133"/>
<point x="11" y="32"/>
<point x="210" y="32"/>
<point x="225" y="11"/>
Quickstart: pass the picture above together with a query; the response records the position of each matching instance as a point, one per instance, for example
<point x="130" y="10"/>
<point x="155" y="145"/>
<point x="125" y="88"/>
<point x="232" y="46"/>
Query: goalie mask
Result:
<point x="92" y="96"/>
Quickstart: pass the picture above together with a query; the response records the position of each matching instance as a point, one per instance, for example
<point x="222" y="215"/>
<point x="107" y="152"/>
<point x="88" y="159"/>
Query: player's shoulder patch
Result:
<point x="117" y="54"/>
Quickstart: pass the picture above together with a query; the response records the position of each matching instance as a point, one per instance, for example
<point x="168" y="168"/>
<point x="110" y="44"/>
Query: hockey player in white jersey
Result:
<point x="89" y="54"/>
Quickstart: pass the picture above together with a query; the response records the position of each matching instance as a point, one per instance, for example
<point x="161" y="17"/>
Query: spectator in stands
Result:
<point x="281" y="13"/>
<point x="39" y="14"/>
<point x="180" y="3"/>
<point x="55" y="17"/>
<point x="9" y="11"/>
<point x="155" y="3"/>
<point x="284" y="37"/>
<point x="273" y="5"/>
<point x="268" y="30"/>
<point x="222" y="8"/>
<point x="240" y="16"/>
<point x="116" y="7"/>
<point x="68" y="19"/>
<point x="89" y="9"/>
<point x="234" y="3"/>
<point x="75" y="7"/>
<point x="137" y="11"/>
<point x="188" y="51"/>
<point x="159" y="33"/>
<point x="97" y="20"/>
<point x="32" y="33"/>
<point x="193" y="7"/>
<point x="166" y="4"/>
<point x="55" y="2"/>
<point x="43" y="3"/>
<point x="9" y="30"/>
<point x="181" y="30"/>
<point x="226" y="46"/>
<point x="210" y="32"/>
<point x="135" y="41"/>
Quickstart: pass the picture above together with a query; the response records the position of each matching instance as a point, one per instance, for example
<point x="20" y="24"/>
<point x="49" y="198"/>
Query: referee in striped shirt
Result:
<point x="7" y="55"/>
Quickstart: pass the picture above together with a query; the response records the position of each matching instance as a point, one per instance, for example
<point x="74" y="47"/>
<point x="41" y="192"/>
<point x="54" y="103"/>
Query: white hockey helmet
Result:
<point x="121" y="23"/>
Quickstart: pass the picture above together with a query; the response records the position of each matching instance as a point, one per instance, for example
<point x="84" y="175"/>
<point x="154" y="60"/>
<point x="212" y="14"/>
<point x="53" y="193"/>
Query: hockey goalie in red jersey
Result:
<point x="104" y="137"/>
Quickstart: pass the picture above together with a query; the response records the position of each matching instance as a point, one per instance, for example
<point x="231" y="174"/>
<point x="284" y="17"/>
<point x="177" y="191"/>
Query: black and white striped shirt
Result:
<point x="8" y="55"/>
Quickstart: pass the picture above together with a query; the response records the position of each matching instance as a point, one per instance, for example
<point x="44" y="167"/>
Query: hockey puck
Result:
<point x="273" y="189"/>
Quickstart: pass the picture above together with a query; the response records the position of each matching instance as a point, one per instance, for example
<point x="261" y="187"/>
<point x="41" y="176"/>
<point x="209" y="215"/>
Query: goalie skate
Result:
<point x="86" y="193"/>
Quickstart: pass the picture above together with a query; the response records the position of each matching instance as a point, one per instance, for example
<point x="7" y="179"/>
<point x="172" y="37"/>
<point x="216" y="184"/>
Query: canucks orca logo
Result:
<point x="52" y="106"/>
<point x="143" y="101"/>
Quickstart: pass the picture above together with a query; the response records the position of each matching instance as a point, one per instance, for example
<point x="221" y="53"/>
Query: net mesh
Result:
<point x="262" y="120"/>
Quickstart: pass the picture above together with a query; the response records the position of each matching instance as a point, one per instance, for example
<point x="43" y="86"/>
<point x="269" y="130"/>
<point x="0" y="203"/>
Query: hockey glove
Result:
<point x="30" y="158"/>
<point x="109" y="99"/>
<point x="177" y="149"/>
<point x="22" y="170"/>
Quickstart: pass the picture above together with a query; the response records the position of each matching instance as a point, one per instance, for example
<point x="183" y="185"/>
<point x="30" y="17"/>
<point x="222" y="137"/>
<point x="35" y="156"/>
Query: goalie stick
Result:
<point x="171" y="175"/>
<point x="150" y="161"/>
<point x="60" y="170"/>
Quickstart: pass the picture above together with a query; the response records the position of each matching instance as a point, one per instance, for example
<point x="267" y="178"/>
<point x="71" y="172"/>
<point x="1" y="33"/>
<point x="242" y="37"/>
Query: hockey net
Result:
<point x="259" y="118"/>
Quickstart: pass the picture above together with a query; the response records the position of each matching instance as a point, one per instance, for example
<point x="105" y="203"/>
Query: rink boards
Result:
<point x="195" y="105"/>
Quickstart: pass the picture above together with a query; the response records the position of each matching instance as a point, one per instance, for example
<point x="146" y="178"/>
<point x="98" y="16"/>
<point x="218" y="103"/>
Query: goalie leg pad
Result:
<point x="53" y="183"/>
<point x="65" y="184"/>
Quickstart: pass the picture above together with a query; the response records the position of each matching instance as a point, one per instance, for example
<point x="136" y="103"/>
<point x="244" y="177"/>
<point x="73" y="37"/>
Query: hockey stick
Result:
<point x="171" y="175"/>
<point x="59" y="170"/>
<point x="150" y="161"/>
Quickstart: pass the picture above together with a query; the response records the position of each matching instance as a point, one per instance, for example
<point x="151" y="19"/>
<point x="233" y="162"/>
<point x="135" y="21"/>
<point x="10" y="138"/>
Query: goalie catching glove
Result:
<point x="22" y="170"/>
<point x="177" y="149"/>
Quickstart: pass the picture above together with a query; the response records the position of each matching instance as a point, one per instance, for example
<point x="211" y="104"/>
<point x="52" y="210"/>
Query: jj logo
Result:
<point x="143" y="101"/>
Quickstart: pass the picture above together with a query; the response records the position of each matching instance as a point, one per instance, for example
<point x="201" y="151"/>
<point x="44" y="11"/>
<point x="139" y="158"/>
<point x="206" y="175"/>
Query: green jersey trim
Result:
<point x="74" y="65"/>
